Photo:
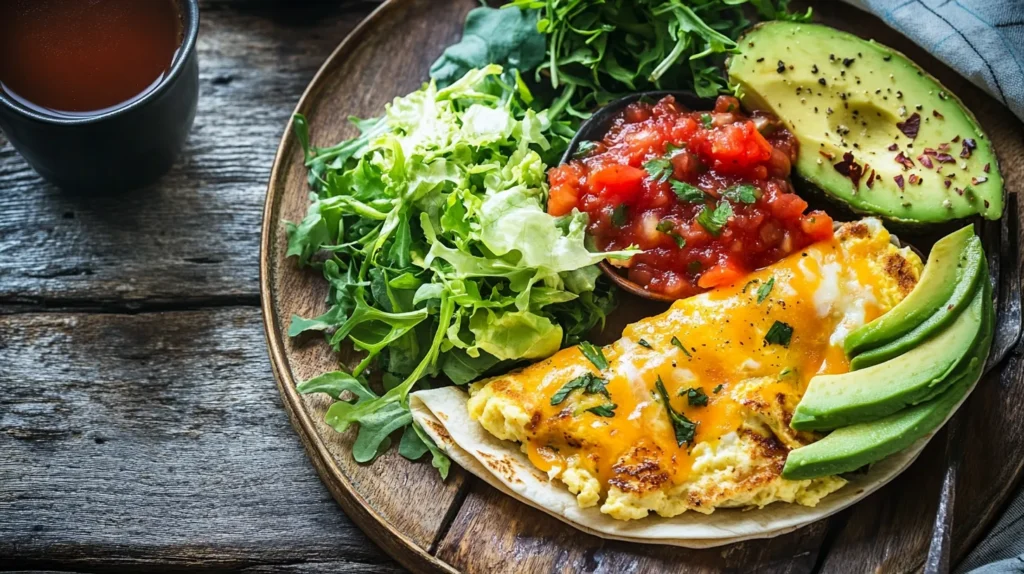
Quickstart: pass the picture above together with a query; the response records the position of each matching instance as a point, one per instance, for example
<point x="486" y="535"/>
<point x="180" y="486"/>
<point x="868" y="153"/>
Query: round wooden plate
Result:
<point x="463" y="525"/>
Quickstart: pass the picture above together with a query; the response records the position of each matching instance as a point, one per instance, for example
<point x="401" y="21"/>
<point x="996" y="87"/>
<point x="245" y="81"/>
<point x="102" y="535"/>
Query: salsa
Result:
<point x="705" y="195"/>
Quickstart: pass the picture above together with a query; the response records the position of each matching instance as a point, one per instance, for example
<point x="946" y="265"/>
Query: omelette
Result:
<point x="690" y="409"/>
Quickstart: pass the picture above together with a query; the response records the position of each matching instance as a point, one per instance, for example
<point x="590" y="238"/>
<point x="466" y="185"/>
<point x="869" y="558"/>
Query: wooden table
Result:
<point x="140" y="426"/>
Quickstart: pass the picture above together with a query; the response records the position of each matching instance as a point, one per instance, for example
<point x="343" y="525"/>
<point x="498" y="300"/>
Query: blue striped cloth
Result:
<point x="981" y="39"/>
<point x="984" y="41"/>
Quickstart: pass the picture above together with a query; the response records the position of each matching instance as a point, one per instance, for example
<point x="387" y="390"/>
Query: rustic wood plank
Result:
<point x="195" y="234"/>
<point x="157" y="440"/>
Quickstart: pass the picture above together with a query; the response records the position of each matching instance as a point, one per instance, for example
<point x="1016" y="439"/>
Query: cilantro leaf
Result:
<point x="779" y="334"/>
<point x="643" y="343"/>
<point x="742" y="193"/>
<point x="685" y="429"/>
<point x="585" y="149"/>
<point x="589" y="383"/>
<point x="717" y="389"/>
<point x="594" y="354"/>
<point x="686" y="192"/>
<point x="597" y="386"/>
<point x="620" y="215"/>
<point x="706" y="121"/>
<point x="696" y="397"/>
<point x="713" y="220"/>
<point x="659" y="168"/>
<point x="764" y="290"/>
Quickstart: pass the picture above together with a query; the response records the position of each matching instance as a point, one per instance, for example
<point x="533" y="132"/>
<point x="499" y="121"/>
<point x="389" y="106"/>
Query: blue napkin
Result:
<point x="1002" y="551"/>
<point x="981" y="39"/>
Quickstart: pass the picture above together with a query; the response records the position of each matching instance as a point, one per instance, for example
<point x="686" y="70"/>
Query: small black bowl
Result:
<point x="595" y="128"/>
<point x="124" y="148"/>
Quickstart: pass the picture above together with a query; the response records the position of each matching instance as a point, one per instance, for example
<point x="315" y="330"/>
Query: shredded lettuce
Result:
<point x="431" y="231"/>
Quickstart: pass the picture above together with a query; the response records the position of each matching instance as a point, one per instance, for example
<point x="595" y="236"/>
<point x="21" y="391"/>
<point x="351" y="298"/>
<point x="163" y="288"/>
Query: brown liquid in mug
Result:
<point x="81" y="58"/>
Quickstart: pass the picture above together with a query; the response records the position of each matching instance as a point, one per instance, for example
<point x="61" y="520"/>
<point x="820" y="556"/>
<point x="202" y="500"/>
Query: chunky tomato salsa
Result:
<point x="705" y="195"/>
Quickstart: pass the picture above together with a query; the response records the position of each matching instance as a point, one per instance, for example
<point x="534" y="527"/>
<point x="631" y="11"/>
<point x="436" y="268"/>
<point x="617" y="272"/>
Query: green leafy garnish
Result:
<point x="696" y="397"/>
<point x="660" y="168"/>
<point x="643" y="343"/>
<point x="706" y="120"/>
<point x="686" y="192"/>
<point x="589" y="382"/>
<point x="620" y="215"/>
<point x="778" y="334"/>
<point x="594" y="354"/>
<point x="718" y="389"/>
<point x="713" y="220"/>
<point x="605" y="410"/>
<point x="764" y="290"/>
<point x="684" y="428"/>
<point x="742" y="193"/>
<point x="677" y="343"/>
<point x="508" y="38"/>
<point x="584" y="149"/>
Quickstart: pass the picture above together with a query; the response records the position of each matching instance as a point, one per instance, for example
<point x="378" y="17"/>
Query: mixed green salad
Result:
<point x="430" y="227"/>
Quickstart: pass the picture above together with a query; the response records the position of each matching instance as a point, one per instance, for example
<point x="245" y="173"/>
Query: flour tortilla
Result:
<point x="443" y="415"/>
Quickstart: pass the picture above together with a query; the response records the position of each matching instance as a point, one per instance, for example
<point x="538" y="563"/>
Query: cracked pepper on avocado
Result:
<point x="804" y="362"/>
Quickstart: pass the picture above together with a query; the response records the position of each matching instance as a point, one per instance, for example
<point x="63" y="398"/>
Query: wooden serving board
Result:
<point x="463" y="525"/>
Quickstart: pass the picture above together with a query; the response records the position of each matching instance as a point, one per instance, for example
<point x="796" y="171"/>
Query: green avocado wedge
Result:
<point x="834" y="401"/>
<point x="953" y="267"/>
<point x="852" y="447"/>
<point x="877" y="133"/>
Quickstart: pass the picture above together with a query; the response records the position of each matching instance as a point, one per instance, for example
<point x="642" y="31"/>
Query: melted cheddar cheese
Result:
<point x="632" y="460"/>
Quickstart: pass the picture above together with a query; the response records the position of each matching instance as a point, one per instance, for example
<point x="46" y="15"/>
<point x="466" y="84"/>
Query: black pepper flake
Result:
<point x="887" y="57"/>
<point x="848" y="62"/>
<point x="850" y="169"/>
<point x="894" y="147"/>
<point x="911" y="126"/>
<point x="956" y="139"/>
<point x="969" y="146"/>
<point x="831" y="57"/>
<point x="899" y="180"/>
<point x="821" y="81"/>
<point x="986" y="204"/>
<point x="781" y="67"/>
<point x="937" y="114"/>
<point x="958" y="191"/>
<point x="759" y="60"/>
<point x="814" y="69"/>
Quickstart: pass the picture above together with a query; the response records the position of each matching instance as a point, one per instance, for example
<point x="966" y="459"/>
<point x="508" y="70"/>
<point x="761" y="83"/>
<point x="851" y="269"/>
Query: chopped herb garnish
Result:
<point x="743" y="193"/>
<point x="678" y="343"/>
<point x="713" y="220"/>
<point x="605" y="410"/>
<point x="749" y="283"/>
<point x="785" y="372"/>
<point x="668" y="228"/>
<point x="589" y="382"/>
<point x="686" y="192"/>
<point x="594" y="354"/>
<point x="718" y="389"/>
<point x="694" y="267"/>
<point x="665" y="225"/>
<point x="706" y="121"/>
<point x="684" y="428"/>
<point x="696" y="397"/>
<point x="585" y="149"/>
<point x="779" y="334"/>
<point x="620" y="215"/>
<point x="643" y="343"/>
<point x="659" y="168"/>
<point x="764" y="290"/>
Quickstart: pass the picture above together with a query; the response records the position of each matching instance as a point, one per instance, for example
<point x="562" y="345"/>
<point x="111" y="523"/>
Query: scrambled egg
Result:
<point x="729" y="371"/>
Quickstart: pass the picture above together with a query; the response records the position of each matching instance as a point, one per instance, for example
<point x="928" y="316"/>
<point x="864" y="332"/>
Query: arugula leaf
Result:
<point x="713" y="220"/>
<point x="764" y="290"/>
<point x="686" y="192"/>
<point x="508" y="38"/>
<point x="742" y="193"/>
<point x="778" y="334"/>
<point x="679" y="344"/>
<point x="594" y="355"/>
<point x="605" y="410"/>
<point x="696" y="397"/>
<point x="685" y="429"/>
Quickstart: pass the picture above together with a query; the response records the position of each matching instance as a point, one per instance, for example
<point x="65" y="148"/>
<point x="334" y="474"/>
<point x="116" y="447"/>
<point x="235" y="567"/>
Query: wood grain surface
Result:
<point x="489" y="532"/>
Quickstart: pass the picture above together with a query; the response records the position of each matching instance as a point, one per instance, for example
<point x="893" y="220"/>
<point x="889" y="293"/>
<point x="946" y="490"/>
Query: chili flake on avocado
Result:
<point x="705" y="195"/>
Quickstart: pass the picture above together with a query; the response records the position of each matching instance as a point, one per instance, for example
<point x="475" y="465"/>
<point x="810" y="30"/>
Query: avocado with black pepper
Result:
<point x="876" y="132"/>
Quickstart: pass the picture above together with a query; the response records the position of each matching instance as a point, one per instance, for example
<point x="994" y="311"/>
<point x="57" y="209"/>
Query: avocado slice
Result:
<point x="852" y="447"/>
<point x="972" y="269"/>
<point x="834" y="401"/>
<point x="954" y="259"/>
<point x="876" y="132"/>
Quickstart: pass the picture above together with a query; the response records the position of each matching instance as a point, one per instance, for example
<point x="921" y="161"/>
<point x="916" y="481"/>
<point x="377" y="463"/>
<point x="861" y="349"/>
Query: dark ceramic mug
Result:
<point x="124" y="148"/>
